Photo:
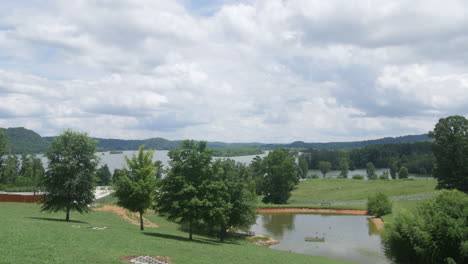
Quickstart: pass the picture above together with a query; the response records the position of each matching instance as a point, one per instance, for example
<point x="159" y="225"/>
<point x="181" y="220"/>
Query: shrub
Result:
<point x="403" y="174"/>
<point x="379" y="204"/>
<point x="358" y="177"/>
<point x="384" y="176"/>
<point x="313" y="176"/>
<point x="435" y="233"/>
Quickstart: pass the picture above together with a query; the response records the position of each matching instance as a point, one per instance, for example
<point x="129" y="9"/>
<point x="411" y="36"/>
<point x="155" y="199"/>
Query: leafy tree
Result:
<point x="280" y="176"/>
<point x="236" y="201"/>
<point x="378" y="204"/>
<point x="344" y="168"/>
<point x="181" y="197"/>
<point x="370" y="171"/>
<point x="104" y="175"/>
<point x="38" y="174"/>
<point x="135" y="189"/>
<point x="10" y="170"/>
<point x="117" y="174"/>
<point x="403" y="174"/>
<point x="435" y="233"/>
<point x="257" y="170"/>
<point x="303" y="166"/>
<point x="450" y="149"/>
<point x="384" y="176"/>
<point x="3" y="144"/>
<point x="393" y="165"/>
<point x="70" y="181"/>
<point x="160" y="169"/>
<point x="324" y="167"/>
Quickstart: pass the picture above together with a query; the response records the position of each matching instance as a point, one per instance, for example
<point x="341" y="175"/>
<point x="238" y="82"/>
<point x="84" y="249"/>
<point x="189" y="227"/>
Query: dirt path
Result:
<point x="311" y="211"/>
<point x="133" y="218"/>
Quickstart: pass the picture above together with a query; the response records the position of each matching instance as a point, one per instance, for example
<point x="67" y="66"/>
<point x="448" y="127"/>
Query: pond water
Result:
<point x="349" y="238"/>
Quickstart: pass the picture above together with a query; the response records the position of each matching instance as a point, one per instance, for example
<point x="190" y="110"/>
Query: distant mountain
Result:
<point x="22" y="140"/>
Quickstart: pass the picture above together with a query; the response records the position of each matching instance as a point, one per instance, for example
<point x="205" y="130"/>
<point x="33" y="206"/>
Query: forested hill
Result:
<point x="22" y="140"/>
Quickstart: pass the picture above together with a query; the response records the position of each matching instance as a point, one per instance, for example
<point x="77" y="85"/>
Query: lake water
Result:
<point x="349" y="238"/>
<point x="335" y="173"/>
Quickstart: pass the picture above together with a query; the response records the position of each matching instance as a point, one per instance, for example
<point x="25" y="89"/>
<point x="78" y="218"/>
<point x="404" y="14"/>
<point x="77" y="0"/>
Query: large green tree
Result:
<point x="324" y="167"/>
<point x="450" y="149"/>
<point x="370" y="171"/>
<point x="436" y="232"/>
<point x="135" y="188"/>
<point x="182" y="197"/>
<point x="233" y="191"/>
<point x="344" y="168"/>
<point x="281" y="175"/>
<point x="104" y="176"/>
<point x="70" y="180"/>
<point x="303" y="165"/>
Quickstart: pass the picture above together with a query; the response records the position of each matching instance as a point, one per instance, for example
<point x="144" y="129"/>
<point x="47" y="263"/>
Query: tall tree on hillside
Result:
<point x="70" y="181"/>
<point x="281" y="175"/>
<point x="104" y="175"/>
<point x="233" y="197"/>
<point x="135" y="188"/>
<point x="324" y="167"/>
<point x="450" y="149"/>
<point x="181" y="197"/>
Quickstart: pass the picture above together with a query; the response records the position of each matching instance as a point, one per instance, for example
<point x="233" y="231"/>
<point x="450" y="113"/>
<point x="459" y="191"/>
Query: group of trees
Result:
<point x="416" y="157"/>
<point x="21" y="173"/>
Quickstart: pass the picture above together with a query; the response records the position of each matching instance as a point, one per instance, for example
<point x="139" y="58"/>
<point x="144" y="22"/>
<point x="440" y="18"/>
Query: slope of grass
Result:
<point x="347" y="189"/>
<point x="29" y="236"/>
<point x="399" y="206"/>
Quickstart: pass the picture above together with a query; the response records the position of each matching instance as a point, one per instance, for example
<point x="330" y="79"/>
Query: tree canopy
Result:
<point x="70" y="180"/>
<point x="135" y="188"/>
<point x="450" y="149"/>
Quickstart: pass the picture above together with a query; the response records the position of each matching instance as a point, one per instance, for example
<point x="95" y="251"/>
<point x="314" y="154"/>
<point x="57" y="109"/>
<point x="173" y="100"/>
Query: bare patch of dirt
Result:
<point x="378" y="223"/>
<point x="262" y="240"/>
<point x="133" y="218"/>
<point x="311" y="211"/>
<point x="128" y="259"/>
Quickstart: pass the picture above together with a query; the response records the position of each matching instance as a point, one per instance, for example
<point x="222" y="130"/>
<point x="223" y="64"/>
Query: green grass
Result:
<point x="399" y="206"/>
<point x="314" y="239"/>
<point x="29" y="236"/>
<point x="347" y="189"/>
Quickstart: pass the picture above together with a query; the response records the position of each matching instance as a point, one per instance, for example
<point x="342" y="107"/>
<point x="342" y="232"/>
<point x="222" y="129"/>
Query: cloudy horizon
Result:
<point x="273" y="71"/>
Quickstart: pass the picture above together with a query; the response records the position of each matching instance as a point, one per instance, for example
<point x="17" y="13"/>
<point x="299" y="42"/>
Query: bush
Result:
<point x="384" y="176"/>
<point x="313" y="176"/>
<point x="435" y="233"/>
<point x="403" y="174"/>
<point x="379" y="204"/>
<point x="358" y="177"/>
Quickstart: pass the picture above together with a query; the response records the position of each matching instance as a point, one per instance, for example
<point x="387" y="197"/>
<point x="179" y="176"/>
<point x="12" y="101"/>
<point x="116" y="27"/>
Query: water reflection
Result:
<point x="277" y="224"/>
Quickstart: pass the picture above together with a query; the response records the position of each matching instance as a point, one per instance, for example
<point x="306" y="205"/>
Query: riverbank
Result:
<point x="311" y="211"/>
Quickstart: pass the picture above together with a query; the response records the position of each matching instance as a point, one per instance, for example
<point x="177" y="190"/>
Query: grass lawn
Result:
<point x="29" y="236"/>
<point x="399" y="206"/>
<point x="347" y="189"/>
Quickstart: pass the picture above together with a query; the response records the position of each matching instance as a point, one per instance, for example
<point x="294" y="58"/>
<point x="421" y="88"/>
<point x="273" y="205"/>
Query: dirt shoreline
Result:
<point x="378" y="222"/>
<point x="311" y="211"/>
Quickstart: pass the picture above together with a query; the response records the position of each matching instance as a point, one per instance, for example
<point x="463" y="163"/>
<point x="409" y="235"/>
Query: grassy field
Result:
<point x="29" y="236"/>
<point x="346" y="189"/>
<point x="399" y="206"/>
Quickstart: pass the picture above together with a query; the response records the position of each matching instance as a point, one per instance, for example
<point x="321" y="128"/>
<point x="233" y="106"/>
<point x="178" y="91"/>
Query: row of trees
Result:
<point x="26" y="172"/>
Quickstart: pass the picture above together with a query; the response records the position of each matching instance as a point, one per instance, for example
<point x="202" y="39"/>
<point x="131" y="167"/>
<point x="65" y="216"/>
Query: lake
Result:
<point x="335" y="173"/>
<point x="347" y="237"/>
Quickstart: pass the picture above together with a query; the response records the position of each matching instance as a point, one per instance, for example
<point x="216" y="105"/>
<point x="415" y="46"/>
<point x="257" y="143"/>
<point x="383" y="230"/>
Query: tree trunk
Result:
<point x="190" y="230"/>
<point x="141" y="221"/>
<point x="67" y="218"/>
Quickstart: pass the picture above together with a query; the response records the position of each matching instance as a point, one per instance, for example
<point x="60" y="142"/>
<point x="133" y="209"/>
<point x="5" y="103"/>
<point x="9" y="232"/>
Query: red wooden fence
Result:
<point x="20" y="198"/>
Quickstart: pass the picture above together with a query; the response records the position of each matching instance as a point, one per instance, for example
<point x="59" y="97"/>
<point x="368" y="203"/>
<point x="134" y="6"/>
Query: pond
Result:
<point x="349" y="238"/>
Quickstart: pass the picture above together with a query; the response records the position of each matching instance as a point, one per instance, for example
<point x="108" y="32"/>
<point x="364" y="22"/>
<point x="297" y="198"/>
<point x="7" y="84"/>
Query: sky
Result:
<point x="272" y="71"/>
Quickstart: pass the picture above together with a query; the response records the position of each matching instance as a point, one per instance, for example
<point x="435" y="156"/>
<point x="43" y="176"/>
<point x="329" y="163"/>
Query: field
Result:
<point x="348" y="190"/>
<point x="29" y="236"/>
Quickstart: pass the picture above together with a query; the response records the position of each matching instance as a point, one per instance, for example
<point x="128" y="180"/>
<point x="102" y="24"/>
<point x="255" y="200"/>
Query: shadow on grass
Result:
<point x="179" y="238"/>
<point x="56" y="220"/>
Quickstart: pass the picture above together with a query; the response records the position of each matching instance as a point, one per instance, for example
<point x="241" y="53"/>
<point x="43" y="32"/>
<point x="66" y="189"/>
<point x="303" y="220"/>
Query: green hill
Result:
<point x="22" y="140"/>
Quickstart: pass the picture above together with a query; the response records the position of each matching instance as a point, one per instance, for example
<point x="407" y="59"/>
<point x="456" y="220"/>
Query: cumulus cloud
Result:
<point x="270" y="71"/>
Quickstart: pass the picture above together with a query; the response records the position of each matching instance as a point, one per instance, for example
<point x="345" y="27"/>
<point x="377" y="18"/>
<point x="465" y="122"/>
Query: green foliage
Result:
<point x="344" y="168"/>
<point x="384" y="176"/>
<point x="182" y="196"/>
<point x="403" y="173"/>
<point x="358" y="177"/>
<point x="324" y="167"/>
<point x="393" y="165"/>
<point x="378" y="204"/>
<point x="257" y="170"/>
<point x="104" y="175"/>
<point x="10" y="170"/>
<point x="451" y="153"/>
<point x="135" y="188"/>
<point x="303" y="165"/>
<point x="3" y="144"/>
<point x="23" y="140"/>
<point x="280" y="176"/>
<point x="235" y="151"/>
<point x="117" y="174"/>
<point x="31" y="173"/>
<point x="435" y="233"/>
<point x="70" y="181"/>
<point x="370" y="171"/>
<point x="313" y="176"/>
